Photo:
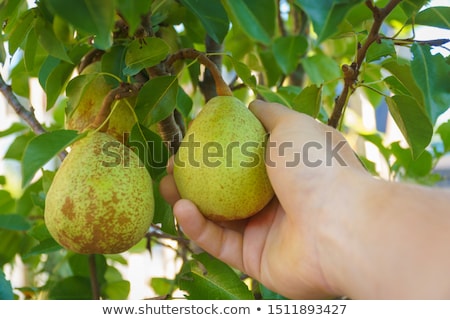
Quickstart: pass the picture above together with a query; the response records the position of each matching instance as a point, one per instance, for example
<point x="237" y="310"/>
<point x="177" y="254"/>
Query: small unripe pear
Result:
<point x="220" y="164"/>
<point x="101" y="198"/>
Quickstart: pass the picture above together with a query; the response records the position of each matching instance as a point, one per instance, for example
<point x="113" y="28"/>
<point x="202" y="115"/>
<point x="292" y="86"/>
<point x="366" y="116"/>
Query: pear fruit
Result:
<point x="85" y="97"/>
<point x="220" y="163"/>
<point x="101" y="198"/>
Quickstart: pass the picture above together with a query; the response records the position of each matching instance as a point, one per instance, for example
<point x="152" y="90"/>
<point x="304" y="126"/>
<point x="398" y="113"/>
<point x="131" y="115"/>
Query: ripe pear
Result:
<point x="101" y="198"/>
<point x="220" y="163"/>
<point x="85" y="97"/>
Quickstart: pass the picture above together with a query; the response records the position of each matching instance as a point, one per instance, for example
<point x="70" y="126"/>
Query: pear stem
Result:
<point x="125" y="90"/>
<point x="95" y="286"/>
<point x="221" y="87"/>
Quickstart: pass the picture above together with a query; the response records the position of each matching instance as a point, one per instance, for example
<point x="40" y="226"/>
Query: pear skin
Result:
<point x="101" y="198"/>
<point x="220" y="164"/>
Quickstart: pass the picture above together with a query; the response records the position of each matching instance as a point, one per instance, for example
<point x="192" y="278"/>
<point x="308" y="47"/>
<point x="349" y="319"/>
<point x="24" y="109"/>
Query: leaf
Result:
<point x="270" y="66"/>
<point x="144" y="53"/>
<point x="56" y="82"/>
<point x="163" y="213"/>
<point x="256" y="18"/>
<point x="150" y="148"/>
<point x="380" y="50"/>
<point x="117" y="290"/>
<point x="15" y="127"/>
<point x="6" y="291"/>
<point x="218" y="282"/>
<point x="288" y="50"/>
<point x="156" y="100"/>
<point x="431" y="73"/>
<point x="14" y="222"/>
<point x="20" y="30"/>
<point x="412" y="121"/>
<point x="80" y="266"/>
<point x="326" y="15"/>
<point x="43" y="148"/>
<point x="132" y="11"/>
<point x="113" y="61"/>
<point x="243" y="72"/>
<point x="268" y="294"/>
<point x="95" y="17"/>
<point x="444" y="132"/>
<point x="48" y="40"/>
<point x="71" y="288"/>
<point x="45" y="246"/>
<point x="212" y="15"/>
<point x="162" y="286"/>
<point x="402" y="72"/>
<point x="438" y="17"/>
<point x="308" y="101"/>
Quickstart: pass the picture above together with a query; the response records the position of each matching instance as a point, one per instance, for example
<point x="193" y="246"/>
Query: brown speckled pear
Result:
<point x="220" y="163"/>
<point x="101" y="198"/>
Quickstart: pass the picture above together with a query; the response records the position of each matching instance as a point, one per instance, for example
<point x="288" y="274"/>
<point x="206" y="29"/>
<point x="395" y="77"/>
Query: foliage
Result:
<point x="309" y="55"/>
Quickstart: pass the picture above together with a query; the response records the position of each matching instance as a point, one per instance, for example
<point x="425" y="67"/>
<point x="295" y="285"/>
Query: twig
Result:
<point x="27" y="115"/>
<point x="95" y="286"/>
<point x="351" y="72"/>
<point x="188" y="53"/>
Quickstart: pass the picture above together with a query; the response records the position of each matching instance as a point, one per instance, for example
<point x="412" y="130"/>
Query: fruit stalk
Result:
<point x="222" y="88"/>
<point x="125" y="90"/>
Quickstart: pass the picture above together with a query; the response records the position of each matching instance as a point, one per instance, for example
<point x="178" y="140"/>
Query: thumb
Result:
<point x="269" y="113"/>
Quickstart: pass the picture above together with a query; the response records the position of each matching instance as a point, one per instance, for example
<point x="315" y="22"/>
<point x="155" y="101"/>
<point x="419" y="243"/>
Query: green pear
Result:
<point x="85" y="97"/>
<point x="101" y="198"/>
<point x="220" y="163"/>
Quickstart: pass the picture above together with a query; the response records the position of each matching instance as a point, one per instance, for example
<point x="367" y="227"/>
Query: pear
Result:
<point x="220" y="163"/>
<point x="101" y="198"/>
<point x="85" y="97"/>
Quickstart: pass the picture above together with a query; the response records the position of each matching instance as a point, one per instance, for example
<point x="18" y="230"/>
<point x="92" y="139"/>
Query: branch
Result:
<point x="95" y="286"/>
<point x="27" y="115"/>
<point x="351" y="72"/>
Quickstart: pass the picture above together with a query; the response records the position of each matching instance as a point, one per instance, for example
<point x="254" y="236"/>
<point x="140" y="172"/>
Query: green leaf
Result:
<point x="113" y="61"/>
<point x="15" y="127"/>
<point x="256" y="18"/>
<point x="444" y="132"/>
<point x="71" y="288"/>
<point x="411" y="7"/>
<point x="268" y="294"/>
<point x="413" y="168"/>
<point x="150" y="148"/>
<point x="80" y="266"/>
<point x="43" y="148"/>
<point x="271" y="96"/>
<point x="6" y="291"/>
<point x="14" y="222"/>
<point x="44" y="246"/>
<point x="7" y="203"/>
<point x="243" y="72"/>
<point x="20" y="30"/>
<point x="184" y="102"/>
<point x="56" y="82"/>
<point x="270" y="66"/>
<point x="212" y="15"/>
<point x="156" y="99"/>
<point x="132" y="11"/>
<point x="412" y="121"/>
<point x="144" y="53"/>
<point x="432" y="75"/>
<point x="16" y="149"/>
<point x="326" y="15"/>
<point x="162" y="286"/>
<point x="48" y="40"/>
<point x="308" y="101"/>
<point x="163" y="212"/>
<point x="322" y="69"/>
<point x="118" y="290"/>
<point x="288" y="50"/>
<point x="95" y="17"/>
<point x="438" y="17"/>
<point x="380" y="50"/>
<point x="402" y="72"/>
<point x="218" y="282"/>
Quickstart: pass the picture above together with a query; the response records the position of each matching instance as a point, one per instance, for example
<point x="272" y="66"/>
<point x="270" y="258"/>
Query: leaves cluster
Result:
<point x="288" y="51"/>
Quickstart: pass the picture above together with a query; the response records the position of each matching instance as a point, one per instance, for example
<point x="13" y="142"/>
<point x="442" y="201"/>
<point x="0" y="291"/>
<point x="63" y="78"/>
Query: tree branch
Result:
<point x="351" y="72"/>
<point x="27" y="115"/>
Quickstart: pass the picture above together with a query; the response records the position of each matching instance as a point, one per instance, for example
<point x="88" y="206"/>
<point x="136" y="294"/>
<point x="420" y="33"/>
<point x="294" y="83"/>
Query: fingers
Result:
<point x="270" y="113"/>
<point x="168" y="189"/>
<point x="223" y="243"/>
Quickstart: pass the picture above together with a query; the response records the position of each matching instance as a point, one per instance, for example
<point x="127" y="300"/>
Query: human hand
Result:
<point x="279" y="246"/>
